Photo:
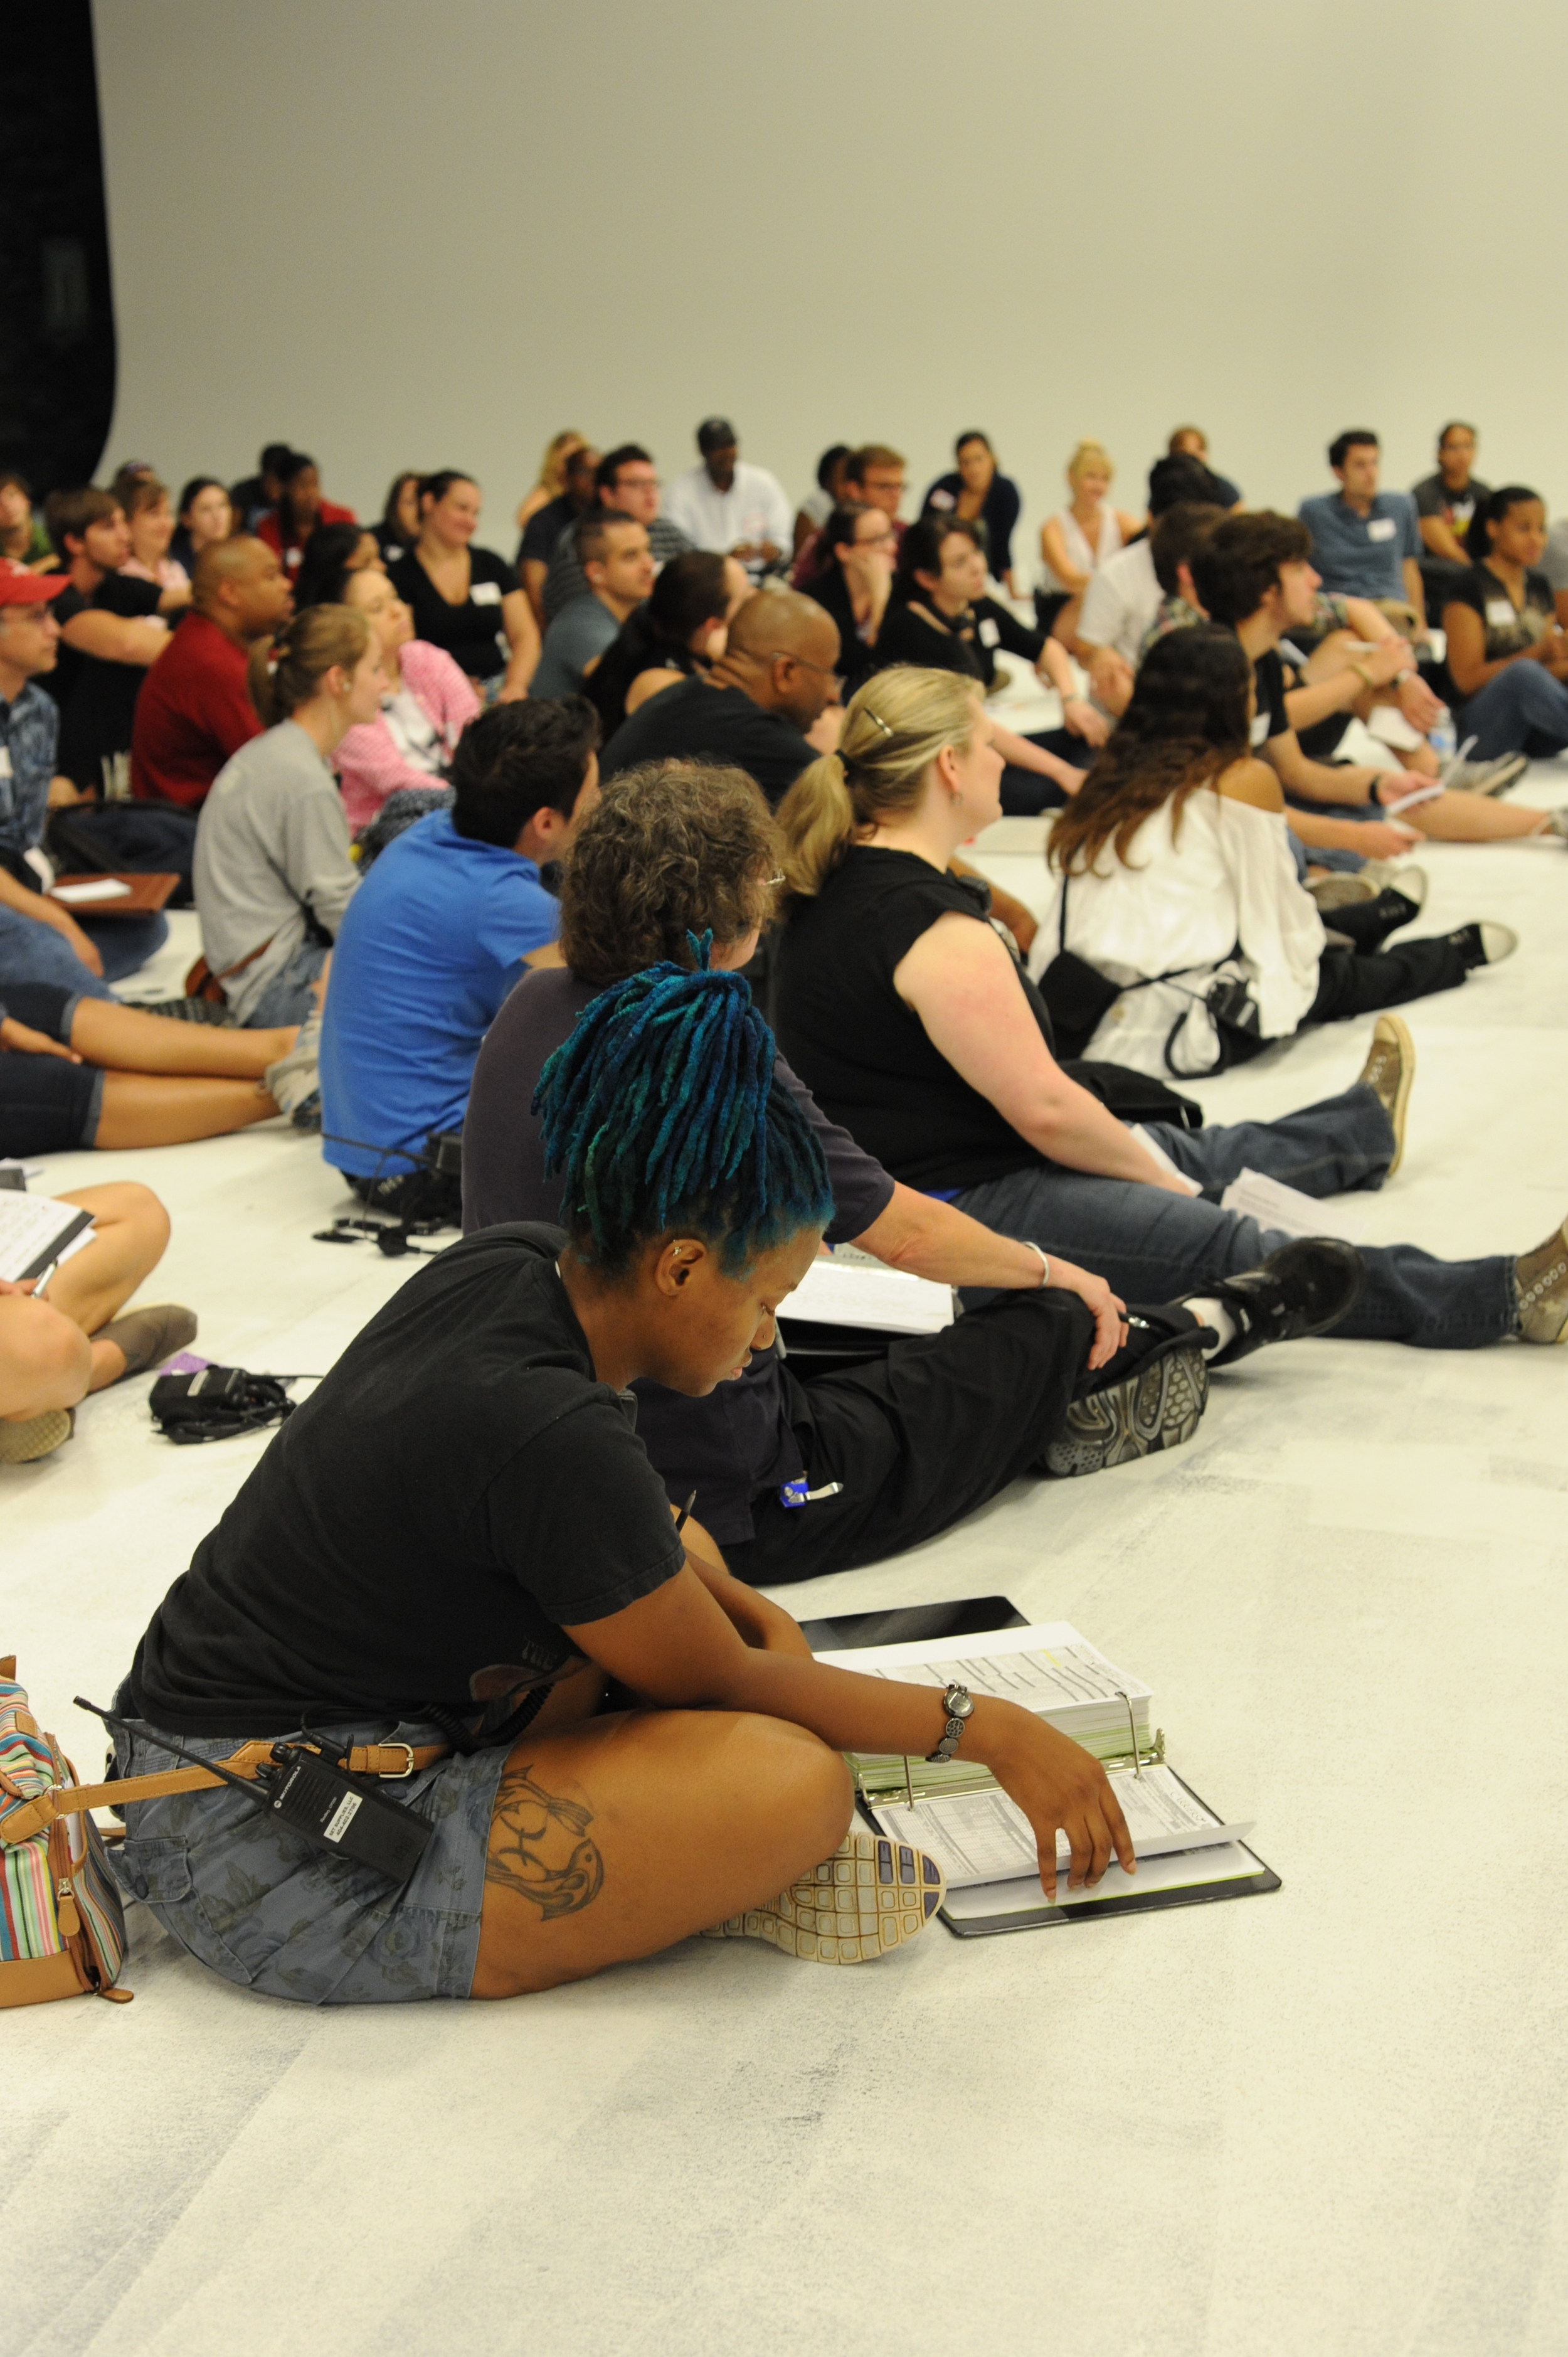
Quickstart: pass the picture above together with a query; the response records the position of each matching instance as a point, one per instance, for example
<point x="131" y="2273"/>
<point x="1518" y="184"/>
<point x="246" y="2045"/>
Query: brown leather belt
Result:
<point x="394" y="1761"/>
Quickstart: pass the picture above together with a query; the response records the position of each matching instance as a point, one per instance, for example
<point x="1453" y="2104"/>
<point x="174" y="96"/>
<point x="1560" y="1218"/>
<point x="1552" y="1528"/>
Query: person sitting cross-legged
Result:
<point x="57" y="1346"/>
<point x="451" y="1548"/>
<point x="447" y="922"/>
<point x="1508" y="654"/>
<point x="680" y="852"/>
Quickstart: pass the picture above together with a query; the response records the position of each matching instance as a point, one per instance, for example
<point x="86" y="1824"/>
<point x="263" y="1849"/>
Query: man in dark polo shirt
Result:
<point x="776" y="677"/>
<point x="195" y="711"/>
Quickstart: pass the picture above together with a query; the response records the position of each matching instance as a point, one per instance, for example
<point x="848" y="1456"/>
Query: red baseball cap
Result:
<point x="20" y="587"/>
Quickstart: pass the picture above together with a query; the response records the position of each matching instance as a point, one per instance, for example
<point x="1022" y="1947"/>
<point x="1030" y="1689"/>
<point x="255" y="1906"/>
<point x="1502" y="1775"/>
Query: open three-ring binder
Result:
<point x="956" y="1811"/>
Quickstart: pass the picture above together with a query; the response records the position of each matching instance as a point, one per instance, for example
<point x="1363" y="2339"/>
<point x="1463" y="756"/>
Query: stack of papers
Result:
<point x="862" y="1292"/>
<point x="35" y="1230"/>
<point x="979" y="1837"/>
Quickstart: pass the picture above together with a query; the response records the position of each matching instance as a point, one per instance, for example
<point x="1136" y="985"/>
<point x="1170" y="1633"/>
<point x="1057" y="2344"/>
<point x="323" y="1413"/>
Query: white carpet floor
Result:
<point x="1331" y="2120"/>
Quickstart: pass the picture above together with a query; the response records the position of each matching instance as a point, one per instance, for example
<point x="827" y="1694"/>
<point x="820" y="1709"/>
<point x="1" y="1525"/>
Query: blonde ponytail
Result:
<point x="893" y="730"/>
<point x="287" y="671"/>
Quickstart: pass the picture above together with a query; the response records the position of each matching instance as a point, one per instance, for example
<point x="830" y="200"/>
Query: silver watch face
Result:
<point x="959" y="1703"/>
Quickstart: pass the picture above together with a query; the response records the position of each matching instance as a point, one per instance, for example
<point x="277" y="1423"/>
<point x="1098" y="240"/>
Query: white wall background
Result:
<point x="428" y="232"/>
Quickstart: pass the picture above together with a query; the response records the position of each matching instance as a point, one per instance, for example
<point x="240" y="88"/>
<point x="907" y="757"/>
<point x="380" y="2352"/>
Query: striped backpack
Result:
<point x="62" y="1924"/>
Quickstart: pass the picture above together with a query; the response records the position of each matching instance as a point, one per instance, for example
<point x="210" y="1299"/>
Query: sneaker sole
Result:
<point x="1407" y="1078"/>
<point x="24" y="1444"/>
<point x="1510" y="776"/>
<point x="868" y="1898"/>
<point x="1159" y="1407"/>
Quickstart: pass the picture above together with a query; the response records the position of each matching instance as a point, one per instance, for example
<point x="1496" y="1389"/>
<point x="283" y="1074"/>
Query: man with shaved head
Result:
<point x="776" y="677"/>
<point x="194" y="710"/>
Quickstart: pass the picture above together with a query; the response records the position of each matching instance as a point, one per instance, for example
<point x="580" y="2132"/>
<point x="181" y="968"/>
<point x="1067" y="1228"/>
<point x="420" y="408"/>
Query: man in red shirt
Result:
<point x="195" y="710"/>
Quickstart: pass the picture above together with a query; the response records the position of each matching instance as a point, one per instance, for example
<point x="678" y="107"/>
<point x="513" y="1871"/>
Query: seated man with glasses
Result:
<point x="774" y="680"/>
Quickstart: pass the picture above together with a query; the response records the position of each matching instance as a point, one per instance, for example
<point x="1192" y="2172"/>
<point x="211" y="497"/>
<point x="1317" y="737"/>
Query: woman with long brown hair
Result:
<point x="905" y="1016"/>
<point x="1180" y="889"/>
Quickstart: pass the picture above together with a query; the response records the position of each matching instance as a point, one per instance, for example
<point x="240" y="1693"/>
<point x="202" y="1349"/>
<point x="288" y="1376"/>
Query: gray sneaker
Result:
<point x="294" y="1083"/>
<point x="1488" y="777"/>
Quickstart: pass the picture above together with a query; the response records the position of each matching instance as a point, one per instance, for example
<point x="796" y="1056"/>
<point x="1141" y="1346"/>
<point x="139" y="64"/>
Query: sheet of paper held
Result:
<point x="1047" y="1666"/>
<point x="31" y="1226"/>
<point x="985" y="1836"/>
<point x="1181" y="1869"/>
<point x="1274" y="1205"/>
<point x="844" y="1293"/>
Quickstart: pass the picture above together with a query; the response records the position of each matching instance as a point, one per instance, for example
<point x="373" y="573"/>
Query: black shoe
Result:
<point x="1150" y="1396"/>
<point x="1485" y="943"/>
<point x="1305" y="1287"/>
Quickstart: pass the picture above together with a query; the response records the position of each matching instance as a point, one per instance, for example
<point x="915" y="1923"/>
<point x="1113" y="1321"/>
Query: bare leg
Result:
<point x="131" y="1231"/>
<point x="617" y="1837"/>
<point x="123" y="1039"/>
<point x="140" y="1109"/>
<point x="1474" y="818"/>
<point x="46" y="1361"/>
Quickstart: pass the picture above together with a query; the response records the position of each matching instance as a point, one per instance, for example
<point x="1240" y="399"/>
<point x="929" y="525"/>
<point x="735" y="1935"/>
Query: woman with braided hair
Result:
<point x="454" y="1542"/>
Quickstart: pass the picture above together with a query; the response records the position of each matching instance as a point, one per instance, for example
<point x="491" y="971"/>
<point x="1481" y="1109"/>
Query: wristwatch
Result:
<point x="958" y="1704"/>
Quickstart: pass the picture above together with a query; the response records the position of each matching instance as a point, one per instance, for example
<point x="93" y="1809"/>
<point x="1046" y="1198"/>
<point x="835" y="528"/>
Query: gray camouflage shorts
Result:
<point x="271" y="1912"/>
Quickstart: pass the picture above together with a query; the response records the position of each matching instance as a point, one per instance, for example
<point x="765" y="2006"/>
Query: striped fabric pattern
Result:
<point x="27" y="1923"/>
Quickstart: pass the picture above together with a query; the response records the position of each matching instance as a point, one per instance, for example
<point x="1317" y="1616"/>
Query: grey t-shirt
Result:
<point x="580" y="631"/>
<point x="271" y="861"/>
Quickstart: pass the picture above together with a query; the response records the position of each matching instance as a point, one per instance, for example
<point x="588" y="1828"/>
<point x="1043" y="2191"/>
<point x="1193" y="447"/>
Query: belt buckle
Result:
<point x="397" y="1775"/>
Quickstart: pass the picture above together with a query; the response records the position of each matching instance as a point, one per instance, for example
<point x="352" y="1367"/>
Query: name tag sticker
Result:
<point x="1500" y="613"/>
<point x="1381" y="528"/>
<point x="489" y="593"/>
<point x="988" y="633"/>
<point x="1260" y="732"/>
<point x="943" y="500"/>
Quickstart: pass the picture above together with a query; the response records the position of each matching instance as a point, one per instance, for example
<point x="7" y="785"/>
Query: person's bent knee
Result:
<point x="46" y="1361"/>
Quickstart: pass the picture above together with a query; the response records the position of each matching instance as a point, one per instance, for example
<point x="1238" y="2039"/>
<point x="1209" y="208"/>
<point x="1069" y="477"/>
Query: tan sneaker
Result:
<point x="1542" y="1278"/>
<point x="1387" y="1072"/>
<point x="38" y="1435"/>
<point x="871" y="1895"/>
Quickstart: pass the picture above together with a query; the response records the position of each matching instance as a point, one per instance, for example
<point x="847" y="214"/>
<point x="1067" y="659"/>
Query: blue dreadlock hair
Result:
<point x="661" y="1108"/>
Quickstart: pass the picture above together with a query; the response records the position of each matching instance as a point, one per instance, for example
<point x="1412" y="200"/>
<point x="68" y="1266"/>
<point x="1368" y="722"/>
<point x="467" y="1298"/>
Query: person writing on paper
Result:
<point x="902" y="1011"/>
<point x="1254" y="573"/>
<point x="892" y="1452"/>
<point x="458" y="1535"/>
<point x="1508" y="654"/>
<point x="65" y="1335"/>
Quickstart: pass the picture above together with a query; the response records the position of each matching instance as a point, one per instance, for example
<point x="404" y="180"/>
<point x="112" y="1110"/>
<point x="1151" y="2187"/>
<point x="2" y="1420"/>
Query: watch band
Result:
<point x="958" y="1704"/>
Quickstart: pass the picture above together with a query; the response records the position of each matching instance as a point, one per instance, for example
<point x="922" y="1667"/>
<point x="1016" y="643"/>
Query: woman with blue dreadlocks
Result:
<point x="457" y="1541"/>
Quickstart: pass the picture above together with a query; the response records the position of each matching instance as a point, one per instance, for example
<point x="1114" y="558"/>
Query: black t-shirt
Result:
<point x="472" y="634"/>
<point x="864" y="1054"/>
<point x="968" y="645"/>
<point x="857" y="659"/>
<point x="458" y="1490"/>
<point x="738" y="1442"/>
<point x="637" y="647"/>
<point x="1456" y="509"/>
<point x="543" y="529"/>
<point x="1271" y="719"/>
<point x="97" y="698"/>
<point x="998" y="517"/>
<point x="694" y="721"/>
<point x="1507" y="632"/>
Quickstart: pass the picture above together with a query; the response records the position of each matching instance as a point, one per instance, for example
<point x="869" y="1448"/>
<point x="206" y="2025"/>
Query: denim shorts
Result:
<point x="272" y="1912"/>
<point x="290" y="996"/>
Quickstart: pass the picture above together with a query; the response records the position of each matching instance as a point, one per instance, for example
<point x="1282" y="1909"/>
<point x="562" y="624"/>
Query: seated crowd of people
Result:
<point x="606" y="902"/>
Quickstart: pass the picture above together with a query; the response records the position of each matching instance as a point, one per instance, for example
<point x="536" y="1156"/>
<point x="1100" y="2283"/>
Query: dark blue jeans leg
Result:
<point x="1151" y="1247"/>
<point x="1330" y="1149"/>
<point x="1523" y="710"/>
<point x="124" y="943"/>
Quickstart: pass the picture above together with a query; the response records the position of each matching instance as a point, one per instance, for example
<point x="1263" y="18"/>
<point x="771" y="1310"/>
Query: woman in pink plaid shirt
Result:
<point x="425" y="707"/>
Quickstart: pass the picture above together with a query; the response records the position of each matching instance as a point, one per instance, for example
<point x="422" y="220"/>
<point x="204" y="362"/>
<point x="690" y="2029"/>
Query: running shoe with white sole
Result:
<point x="36" y="1435"/>
<point x="1489" y="776"/>
<point x="869" y="1898"/>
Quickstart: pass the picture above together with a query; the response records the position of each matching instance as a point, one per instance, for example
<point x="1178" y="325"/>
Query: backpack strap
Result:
<point x="390" y="1760"/>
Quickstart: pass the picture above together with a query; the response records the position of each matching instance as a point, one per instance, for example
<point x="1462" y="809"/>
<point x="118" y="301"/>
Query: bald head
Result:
<point x="782" y="650"/>
<point x="240" y="585"/>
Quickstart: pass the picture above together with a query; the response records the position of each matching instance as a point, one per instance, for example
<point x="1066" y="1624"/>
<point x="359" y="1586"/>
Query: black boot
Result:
<point x="1305" y="1287"/>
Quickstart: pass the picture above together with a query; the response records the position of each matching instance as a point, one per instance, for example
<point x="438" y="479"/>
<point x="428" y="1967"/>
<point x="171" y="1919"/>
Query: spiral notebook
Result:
<point x="1188" y="1854"/>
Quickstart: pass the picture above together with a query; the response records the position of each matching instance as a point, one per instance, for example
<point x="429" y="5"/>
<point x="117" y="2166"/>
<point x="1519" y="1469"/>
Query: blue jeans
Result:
<point x="124" y="943"/>
<point x="1151" y="1246"/>
<point x="33" y="953"/>
<point x="1523" y="710"/>
<point x="289" y="996"/>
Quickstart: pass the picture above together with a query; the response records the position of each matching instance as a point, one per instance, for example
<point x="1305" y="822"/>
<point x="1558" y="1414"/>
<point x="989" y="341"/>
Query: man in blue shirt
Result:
<point x="437" y="934"/>
<point x="1365" y="543"/>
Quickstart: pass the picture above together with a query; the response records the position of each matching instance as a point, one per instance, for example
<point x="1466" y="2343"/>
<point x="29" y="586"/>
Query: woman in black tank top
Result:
<point x="910" y="1021"/>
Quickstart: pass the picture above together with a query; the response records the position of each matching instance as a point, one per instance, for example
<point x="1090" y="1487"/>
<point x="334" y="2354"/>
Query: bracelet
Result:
<point x="1363" y="674"/>
<point x="1044" y="1264"/>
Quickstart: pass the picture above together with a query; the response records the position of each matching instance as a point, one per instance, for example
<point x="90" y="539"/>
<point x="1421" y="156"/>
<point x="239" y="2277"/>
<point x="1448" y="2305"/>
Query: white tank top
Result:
<point x="1084" y="558"/>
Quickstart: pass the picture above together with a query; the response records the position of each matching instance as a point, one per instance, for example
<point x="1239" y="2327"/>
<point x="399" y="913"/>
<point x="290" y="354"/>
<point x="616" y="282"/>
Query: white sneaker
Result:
<point x="294" y="1080"/>
<point x="871" y="1896"/>
<point x="1489" y="776"/>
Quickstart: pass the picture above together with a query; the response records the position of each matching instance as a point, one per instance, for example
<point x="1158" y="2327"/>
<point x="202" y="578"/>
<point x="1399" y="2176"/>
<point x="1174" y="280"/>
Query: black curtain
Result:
<point x="57" y="303"/>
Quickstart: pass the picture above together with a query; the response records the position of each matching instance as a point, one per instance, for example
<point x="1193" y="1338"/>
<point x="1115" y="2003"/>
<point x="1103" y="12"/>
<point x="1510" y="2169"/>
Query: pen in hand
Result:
<point x="47" y="1276"/>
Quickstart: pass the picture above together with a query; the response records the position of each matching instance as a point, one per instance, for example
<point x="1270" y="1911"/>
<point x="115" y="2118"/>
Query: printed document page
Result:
<point x="31" y="1231"/>
<point x="850" y="1292"/>
<point x="1047" y="1666"/>
<point x="1232" y="1863"/>
<point x="985" y="1836"/>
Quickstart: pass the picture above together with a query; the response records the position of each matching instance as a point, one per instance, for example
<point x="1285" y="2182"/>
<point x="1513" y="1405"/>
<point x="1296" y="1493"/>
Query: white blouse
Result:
<point x="1215" y="895"/>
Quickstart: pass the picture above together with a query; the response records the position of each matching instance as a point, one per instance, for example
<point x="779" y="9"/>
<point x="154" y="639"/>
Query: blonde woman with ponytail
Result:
<point x="271" y="872"/>
<point x="910" y="1021"/>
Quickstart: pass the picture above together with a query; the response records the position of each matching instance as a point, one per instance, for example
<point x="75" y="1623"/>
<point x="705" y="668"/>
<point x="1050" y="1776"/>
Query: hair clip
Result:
<point x="272" y="666"/>
<point x="876" y="718"/>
